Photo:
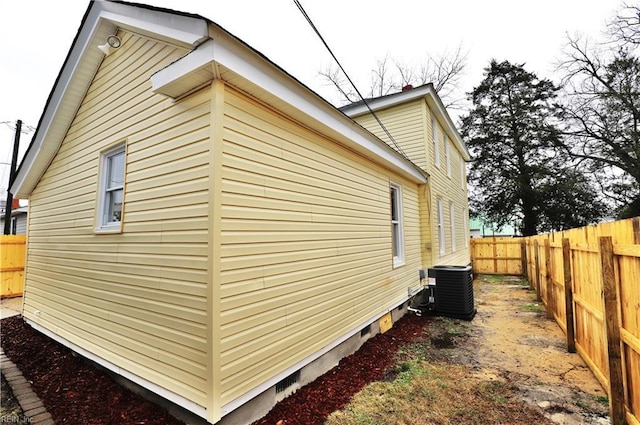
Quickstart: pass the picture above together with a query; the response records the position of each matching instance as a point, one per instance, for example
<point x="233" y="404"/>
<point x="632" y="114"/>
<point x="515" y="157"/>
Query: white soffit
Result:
<point x="103" y="18"/>
<point x="242" y="67"/>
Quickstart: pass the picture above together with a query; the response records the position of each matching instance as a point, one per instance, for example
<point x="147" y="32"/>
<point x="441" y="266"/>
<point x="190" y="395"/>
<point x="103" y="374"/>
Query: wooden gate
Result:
<point x="12" y="258"/>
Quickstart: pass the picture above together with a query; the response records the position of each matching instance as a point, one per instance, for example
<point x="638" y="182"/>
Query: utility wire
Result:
<point x="306" y="16"/>
<point x="26" y="129"/>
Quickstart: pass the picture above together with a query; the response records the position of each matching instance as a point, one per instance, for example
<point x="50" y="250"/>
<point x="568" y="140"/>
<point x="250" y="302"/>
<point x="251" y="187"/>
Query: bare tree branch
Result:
<point x="334" y="77"/>
<point x="381" y="80"/>
<point x="443" y="71"/>
<point x="625" y="26"/>
<point x="602" y="107"/>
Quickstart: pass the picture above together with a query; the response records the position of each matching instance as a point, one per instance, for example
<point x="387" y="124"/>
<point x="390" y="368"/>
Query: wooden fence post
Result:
<point x="636" y="230"/>
<point x="612" y="323"/>
<point x="472" y="247"/>
<point x="568" y="295"/>
<point x="523" y="257"/>
<point x="531" y="264"/>
<point x="537" y="269"/>
<point x="549" y="280"/>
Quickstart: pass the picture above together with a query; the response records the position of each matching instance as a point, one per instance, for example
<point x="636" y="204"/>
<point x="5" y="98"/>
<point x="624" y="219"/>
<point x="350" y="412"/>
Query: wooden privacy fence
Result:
<point x="12" y="257"/>
<point x="497" y="255"/>
<point x="589" y="282"/>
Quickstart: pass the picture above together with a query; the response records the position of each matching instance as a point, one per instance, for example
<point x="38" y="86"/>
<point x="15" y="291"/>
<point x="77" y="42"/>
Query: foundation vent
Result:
<point x="287" y="382"/>
<point x="365" y="331"/>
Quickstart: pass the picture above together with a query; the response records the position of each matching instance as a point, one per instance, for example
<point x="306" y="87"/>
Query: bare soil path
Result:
<point x="516" y="342"/>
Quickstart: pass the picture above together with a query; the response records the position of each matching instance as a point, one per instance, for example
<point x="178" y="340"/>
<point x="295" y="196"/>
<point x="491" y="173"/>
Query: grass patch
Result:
<point x="602" y="399"/>
<point x="533" y="307"/>
<point x="493" y="278"/>
<point x="440" y="393"/>
<point x="503" y="279"/>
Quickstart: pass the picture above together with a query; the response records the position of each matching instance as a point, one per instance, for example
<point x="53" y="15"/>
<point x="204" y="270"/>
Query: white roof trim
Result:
<point x="432" y="98"/>
<point x="229" y="53"/>
<point x="200" y="59"/>
<point x="102" y="19"/>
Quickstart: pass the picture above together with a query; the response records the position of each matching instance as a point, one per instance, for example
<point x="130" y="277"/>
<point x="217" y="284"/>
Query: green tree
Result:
<point x="518" y="173"/>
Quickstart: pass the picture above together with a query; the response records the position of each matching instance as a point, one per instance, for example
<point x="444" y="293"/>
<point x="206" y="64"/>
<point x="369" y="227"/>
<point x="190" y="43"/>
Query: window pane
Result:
<point x="115" y="172"/>
<point x="394" y="205"/>
<point x="441" y="227"/>
<point x="395" y="244"/>
<point x="452" y="219"/>
<point x="114" y="206"/>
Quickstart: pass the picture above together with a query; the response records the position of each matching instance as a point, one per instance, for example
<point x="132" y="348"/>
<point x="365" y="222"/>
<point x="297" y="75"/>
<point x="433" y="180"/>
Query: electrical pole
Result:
<point x="12" y="176"/>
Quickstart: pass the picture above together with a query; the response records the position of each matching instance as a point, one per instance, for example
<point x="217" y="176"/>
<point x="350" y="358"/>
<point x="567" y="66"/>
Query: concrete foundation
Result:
<point x="262" y="404"/>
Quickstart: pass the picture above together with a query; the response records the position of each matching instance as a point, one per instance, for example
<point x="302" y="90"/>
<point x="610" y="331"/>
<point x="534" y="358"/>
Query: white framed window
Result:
<point x="452" y="219"/>
<point x="397" y="236"/>
<point x="447" y="155"/>
<point x="465" y="223"/>
<point x="441" y="237"/>
<point x="436" y="142"/>
<point x="463" y="172"/>
<point x="111" y="195"/>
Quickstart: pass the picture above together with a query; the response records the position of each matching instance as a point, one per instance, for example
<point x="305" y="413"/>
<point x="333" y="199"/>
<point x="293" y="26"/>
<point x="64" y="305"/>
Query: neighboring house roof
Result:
<point x="14" y="212"/>
<point x="433" y="100"/>
<point x="490" y="229"/>
<point x="215" y="53"/>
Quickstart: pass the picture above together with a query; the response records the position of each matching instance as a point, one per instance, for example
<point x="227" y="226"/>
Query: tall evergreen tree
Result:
<point x="518" y="173"/>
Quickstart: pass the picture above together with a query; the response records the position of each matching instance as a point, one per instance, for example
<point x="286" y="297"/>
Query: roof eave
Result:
<point x="101" y="19"/>
<point x="228" y="58"/>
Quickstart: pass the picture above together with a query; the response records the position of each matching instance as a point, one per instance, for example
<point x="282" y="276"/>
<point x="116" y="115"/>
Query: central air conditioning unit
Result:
<point x="449" y="293"/>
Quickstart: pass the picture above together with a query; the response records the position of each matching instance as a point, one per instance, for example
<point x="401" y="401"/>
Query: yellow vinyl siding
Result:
<point x="450" y="190"/>
<point x="405" y="124"/>
<point x="136" y="299"/>
<point x="410" y="124"/>
<point x="306" y="244"/>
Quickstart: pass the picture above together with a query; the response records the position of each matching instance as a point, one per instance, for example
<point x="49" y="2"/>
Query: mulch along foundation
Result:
<point x="74" y="391"/>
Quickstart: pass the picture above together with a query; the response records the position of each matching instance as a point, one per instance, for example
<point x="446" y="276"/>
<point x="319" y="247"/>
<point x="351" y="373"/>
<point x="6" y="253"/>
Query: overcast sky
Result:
<point x="35" y="36"/>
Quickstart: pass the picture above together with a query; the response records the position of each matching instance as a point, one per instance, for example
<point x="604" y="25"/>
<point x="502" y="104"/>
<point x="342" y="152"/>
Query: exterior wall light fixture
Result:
<point x="113" y="42"/>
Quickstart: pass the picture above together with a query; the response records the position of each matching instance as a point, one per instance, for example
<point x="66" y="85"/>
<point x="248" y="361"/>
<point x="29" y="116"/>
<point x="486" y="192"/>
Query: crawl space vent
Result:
<point x="287" y="382"/>
<point x="365" y="331"/>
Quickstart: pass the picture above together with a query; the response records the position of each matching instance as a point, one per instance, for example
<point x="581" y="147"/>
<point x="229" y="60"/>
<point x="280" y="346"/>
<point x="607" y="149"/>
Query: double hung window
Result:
<point x="441" y="232"/>
<point x="396" y="225"/>
<point x="110" y="206"/>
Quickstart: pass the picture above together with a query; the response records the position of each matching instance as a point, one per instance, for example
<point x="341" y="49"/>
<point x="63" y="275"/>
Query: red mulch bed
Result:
<point x="75" y="392"/>
<point x="313" y="403"/>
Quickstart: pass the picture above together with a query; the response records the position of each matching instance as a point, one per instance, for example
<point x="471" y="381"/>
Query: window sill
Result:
<point x="398" y="263"/>
<point x="108" y="230"/>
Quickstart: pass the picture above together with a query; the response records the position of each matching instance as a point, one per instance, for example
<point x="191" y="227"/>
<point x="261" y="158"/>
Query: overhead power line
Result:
<point x="26" y="129"/>
<point x="364" y="101"/>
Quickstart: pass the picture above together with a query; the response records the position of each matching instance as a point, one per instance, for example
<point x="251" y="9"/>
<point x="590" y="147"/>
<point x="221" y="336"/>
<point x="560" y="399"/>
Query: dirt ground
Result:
<point x="512" y="340"/>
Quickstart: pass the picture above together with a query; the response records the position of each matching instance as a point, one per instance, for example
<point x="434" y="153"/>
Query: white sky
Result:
<point x="35" y="36"/>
